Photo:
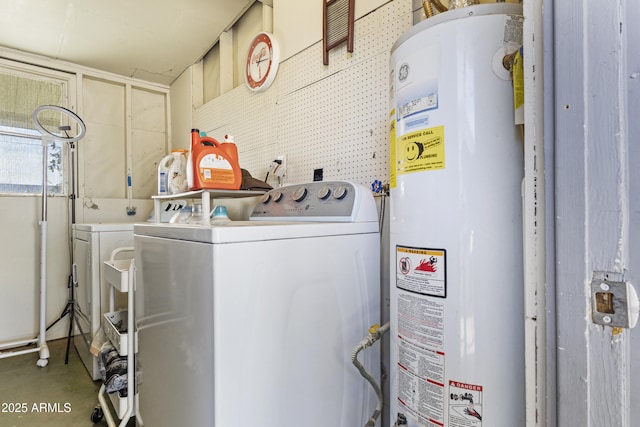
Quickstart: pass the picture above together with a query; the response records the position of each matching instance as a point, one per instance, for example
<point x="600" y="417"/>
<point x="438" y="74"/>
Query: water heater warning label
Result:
<point x="421" y="271"/>
<point x="421" y="358"/>
<point x="465" y="404"/>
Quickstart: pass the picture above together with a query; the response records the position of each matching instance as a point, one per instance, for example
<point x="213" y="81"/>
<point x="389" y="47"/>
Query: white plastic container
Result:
<point x="220" y="216"/>
<point x="196" y="214"/>
<point x="163" y="175"/>
<point x="456" y="275"/>
<point x="171" y="169"/>
<point x="183" y="216"/>
<point x="177" y="177"/>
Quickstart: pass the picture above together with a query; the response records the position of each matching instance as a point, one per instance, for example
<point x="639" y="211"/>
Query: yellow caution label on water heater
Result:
<point x="392" y="151"/>
<point x="517" y="74"/>
<point x="419" y="151"/>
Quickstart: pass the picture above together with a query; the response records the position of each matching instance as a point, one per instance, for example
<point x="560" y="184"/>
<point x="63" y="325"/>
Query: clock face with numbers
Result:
<point x="262" y="62"/>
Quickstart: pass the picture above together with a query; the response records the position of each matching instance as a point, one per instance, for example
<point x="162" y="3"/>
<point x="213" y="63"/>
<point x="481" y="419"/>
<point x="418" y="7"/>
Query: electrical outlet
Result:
<point x="280" y="166"/>
<point x="283" y="159"/>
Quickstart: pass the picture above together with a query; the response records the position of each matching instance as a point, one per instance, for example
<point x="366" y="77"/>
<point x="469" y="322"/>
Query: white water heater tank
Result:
<point x="457" y="316"/>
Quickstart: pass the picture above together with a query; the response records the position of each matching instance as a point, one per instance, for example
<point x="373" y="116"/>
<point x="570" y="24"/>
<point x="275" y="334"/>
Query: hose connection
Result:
<point x="375" y="333"/>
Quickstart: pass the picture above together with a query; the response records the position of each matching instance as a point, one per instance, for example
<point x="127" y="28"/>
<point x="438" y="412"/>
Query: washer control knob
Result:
<point x="299" y="194"/>
<point x="266" y="198"/>
<point x="340" y="193"/>
<point x="324" y="193"/>
<point x="277" y="196"/>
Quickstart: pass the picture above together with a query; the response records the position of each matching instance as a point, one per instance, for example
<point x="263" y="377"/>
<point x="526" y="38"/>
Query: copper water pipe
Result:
<point x="428" y="10"/>
<point x="441" y="8"/>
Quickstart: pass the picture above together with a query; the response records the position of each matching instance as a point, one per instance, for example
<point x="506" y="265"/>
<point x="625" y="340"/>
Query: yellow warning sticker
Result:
<point x="392" y="154"/>
<point x="517" y="73"/>
<point x="419" y="151"/>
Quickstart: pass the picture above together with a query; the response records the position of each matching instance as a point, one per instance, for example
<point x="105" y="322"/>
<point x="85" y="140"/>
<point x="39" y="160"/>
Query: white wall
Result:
<point x="20" y="265"/>
<point x="181" y="108"/>
<point x="331" y="117"/>
<point x="298" y="24"/>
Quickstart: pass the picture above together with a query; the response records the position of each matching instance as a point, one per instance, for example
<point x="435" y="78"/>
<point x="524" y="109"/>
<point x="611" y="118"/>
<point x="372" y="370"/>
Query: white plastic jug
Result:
<point x="170" y="164"/>
<point x="177" y="178"/>
<point x="163" y="175"/>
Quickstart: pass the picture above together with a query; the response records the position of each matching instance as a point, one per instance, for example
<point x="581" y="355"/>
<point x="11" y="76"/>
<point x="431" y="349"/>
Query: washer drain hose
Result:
<point x="375" y="333"/>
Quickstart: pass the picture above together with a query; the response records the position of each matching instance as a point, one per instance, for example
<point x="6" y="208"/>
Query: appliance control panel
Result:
<point x="334" y="201"/>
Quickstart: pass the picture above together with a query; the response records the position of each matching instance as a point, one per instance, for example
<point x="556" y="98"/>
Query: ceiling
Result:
<point x="152" y="40"/>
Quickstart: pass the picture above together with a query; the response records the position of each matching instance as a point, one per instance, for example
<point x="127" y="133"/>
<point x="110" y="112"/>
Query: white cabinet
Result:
<point x="92" y="245"/>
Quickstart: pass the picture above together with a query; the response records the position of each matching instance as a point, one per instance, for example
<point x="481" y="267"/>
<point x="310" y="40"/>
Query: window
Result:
<point x="22" y="90"/>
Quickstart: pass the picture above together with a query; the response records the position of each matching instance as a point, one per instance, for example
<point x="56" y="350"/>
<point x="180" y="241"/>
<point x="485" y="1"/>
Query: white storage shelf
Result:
<point x="118" y="327"/>
<point x="206" y="199"/>
<point x="117" y="273"/>
<point x="113" y="324"/>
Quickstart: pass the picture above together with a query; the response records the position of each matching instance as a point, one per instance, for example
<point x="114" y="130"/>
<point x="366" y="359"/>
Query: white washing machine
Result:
<point x="253" y="323"/>
<point x="92" y="246"/>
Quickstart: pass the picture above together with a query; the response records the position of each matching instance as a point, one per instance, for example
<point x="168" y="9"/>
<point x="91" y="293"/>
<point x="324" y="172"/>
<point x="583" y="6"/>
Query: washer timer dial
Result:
<point x="324" y="193"/>
<point x="340" y="193"/>
<point x="299" y="194"/>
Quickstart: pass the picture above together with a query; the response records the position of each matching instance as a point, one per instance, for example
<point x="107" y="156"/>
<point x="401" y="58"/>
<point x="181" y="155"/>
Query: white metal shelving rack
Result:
<point x="120" y="274"/>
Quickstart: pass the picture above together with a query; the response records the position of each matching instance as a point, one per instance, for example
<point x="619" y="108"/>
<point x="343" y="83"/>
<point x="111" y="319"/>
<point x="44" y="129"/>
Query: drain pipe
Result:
<point x="375" y="333"/>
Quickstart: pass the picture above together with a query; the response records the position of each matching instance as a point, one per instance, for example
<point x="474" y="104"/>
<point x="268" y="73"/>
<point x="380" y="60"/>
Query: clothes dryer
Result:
<point x="92" y="246"/>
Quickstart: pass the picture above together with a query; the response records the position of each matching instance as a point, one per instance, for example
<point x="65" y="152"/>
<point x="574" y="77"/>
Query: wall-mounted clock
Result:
<point x="262" y="62"/>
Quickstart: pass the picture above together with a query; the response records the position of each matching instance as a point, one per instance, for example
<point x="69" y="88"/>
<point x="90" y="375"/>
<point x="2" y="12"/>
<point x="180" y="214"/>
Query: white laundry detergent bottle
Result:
<point x="163" y="175"/>
<point x="177" y="177"/>
<point x="164" y="171"/>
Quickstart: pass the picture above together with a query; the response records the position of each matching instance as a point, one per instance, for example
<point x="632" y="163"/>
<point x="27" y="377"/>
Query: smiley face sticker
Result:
<point x="421" y="150"/>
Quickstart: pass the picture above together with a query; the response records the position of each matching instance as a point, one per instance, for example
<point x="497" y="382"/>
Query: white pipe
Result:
<point x="375" y="333"/>
<point x="17" y="344"/>
<point x="42" y="341"/>
<point x="6" y="354"/>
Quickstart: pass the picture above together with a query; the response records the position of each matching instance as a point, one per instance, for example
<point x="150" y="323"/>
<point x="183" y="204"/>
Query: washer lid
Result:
<point x="115" y="226"/>
<point x="253" y="231"/>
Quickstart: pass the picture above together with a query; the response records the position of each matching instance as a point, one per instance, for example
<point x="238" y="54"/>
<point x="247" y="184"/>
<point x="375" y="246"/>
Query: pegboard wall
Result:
<point x="333" y="118"/>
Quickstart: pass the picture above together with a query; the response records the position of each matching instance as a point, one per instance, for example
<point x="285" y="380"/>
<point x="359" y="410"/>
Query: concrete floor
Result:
<point x="67" y="392"/>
